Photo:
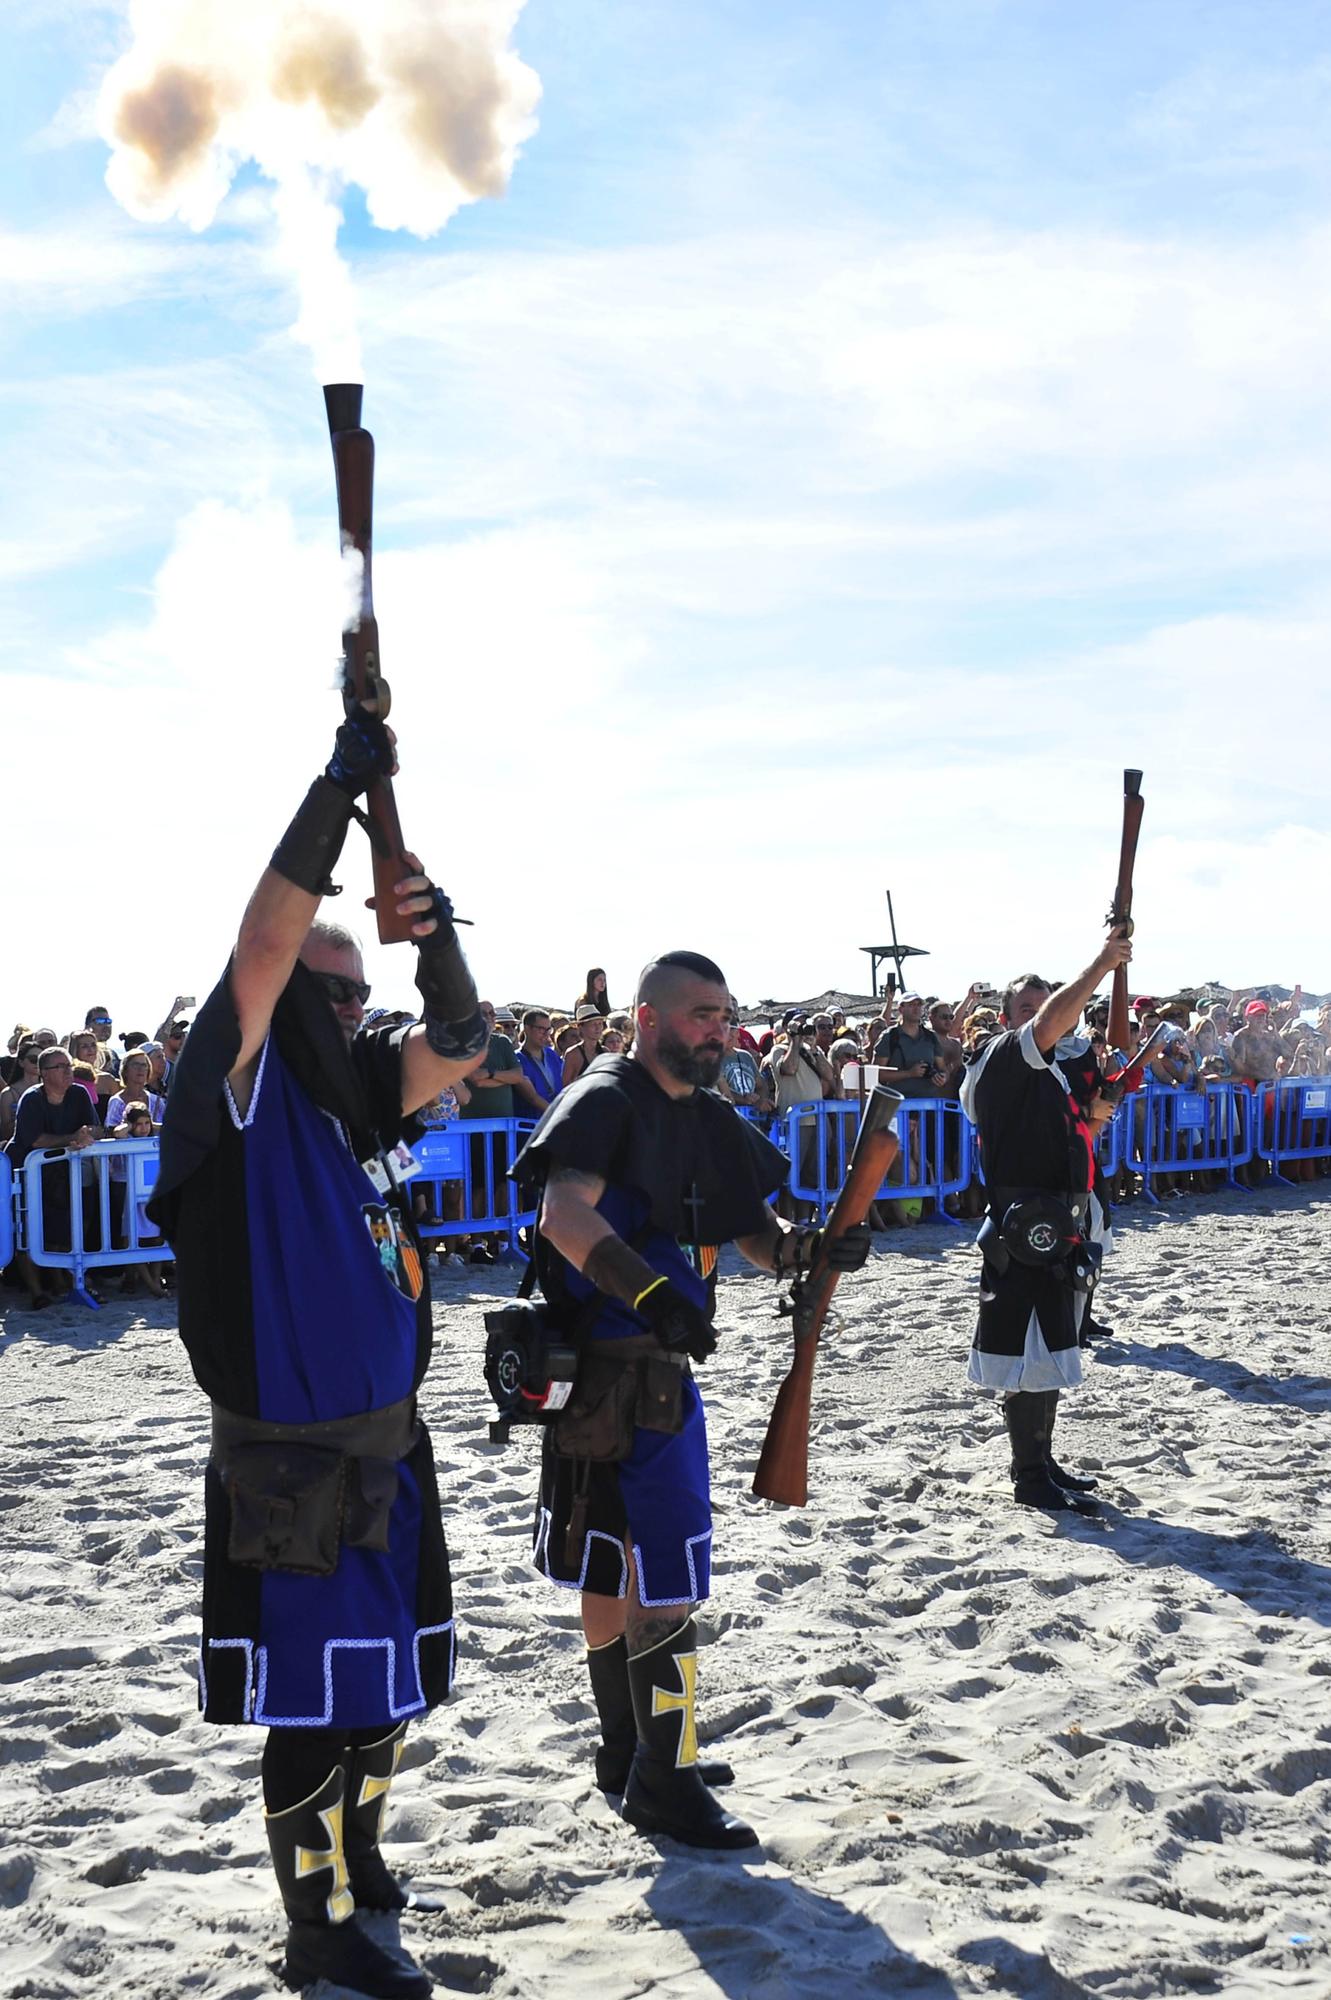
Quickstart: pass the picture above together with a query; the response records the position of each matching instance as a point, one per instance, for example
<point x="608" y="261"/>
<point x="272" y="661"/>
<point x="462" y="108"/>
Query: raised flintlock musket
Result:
<point x="783" y="1468"/>
<point x="353" y="464"/>
<point x="1121" y="910"/>
<point x="1117" y="1083"/>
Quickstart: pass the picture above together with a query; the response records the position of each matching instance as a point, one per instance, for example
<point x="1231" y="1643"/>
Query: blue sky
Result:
<point x="857" y="434"/>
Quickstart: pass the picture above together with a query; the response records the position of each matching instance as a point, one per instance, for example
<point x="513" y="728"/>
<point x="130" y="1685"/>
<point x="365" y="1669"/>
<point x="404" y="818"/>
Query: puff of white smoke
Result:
<point x="421" y="103"/>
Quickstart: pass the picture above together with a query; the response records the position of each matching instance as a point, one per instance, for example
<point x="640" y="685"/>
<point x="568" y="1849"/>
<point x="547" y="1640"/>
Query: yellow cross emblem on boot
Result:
<point x="663" y="1702"/>
<point x="375" y="1788"/>
<point x="312" y="1860"/>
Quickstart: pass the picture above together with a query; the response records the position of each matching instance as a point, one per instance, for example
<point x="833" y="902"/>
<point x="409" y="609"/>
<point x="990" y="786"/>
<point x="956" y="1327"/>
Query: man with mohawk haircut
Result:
<point x="641" y="1171"/>
<point x="327" y="1609"/>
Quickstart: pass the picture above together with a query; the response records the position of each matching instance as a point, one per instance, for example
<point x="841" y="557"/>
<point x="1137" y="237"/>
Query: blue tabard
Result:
<point x="334" y="1278"/>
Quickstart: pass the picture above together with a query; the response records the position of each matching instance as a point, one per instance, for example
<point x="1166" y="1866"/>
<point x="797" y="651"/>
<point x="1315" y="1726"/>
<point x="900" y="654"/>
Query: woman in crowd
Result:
<point x="156" y="1055"/>
<point x="594" y="992"/>
<point x="9" y="1065"/>
<point x="135" y="1087"/>
<point x="84" y="1047"/>
<point x="25" y="1077"/>
<point x="844" y="1050"/>
<point x="136" y="1121"/>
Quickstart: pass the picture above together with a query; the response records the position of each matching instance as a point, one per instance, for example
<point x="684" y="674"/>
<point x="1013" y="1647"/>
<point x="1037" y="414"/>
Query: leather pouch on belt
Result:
<point x="660" y="1395"/>
<point x="286" y="1506"/>
<point x="599" y="1419"/>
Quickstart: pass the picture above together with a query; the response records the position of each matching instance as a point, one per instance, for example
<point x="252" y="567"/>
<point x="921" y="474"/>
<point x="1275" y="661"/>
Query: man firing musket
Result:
<point x="1038" y="1100"/>
<point x="327" y="1609"/>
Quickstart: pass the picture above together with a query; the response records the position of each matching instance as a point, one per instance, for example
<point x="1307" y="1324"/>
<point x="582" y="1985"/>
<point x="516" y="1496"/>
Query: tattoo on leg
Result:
<point x="647" y="1629"/>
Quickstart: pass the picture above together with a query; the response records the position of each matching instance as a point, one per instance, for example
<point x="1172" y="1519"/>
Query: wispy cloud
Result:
<point x="795" y="518"/>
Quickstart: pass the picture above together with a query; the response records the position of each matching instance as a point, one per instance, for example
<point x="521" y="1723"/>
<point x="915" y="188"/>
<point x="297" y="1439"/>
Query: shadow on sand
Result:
<point x="71" y="1324"/>
<point x="761" y="1934"/>
<point x="1251" y="1566"/>
<point x="1299" y="1392"/>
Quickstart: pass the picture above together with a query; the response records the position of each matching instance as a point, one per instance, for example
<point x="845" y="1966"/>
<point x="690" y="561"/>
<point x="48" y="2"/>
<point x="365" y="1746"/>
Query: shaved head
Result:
<point x="661" y="982"/>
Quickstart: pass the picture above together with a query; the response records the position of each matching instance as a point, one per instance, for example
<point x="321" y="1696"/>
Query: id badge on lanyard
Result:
<point x="391" y="1169"/>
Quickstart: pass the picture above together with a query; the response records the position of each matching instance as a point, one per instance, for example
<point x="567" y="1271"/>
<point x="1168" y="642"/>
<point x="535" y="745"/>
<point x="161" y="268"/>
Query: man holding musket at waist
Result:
<point x="1034" y="1094"/>
<point x="641" y="1168"/>
<point x="327" y="1609"/>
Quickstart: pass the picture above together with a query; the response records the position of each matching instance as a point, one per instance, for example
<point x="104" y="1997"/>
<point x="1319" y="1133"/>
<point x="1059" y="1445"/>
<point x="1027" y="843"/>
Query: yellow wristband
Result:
<point x="647" y="1291"/>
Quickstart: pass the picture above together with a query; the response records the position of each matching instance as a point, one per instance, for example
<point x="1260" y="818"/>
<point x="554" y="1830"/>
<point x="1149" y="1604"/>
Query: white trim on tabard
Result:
<point x="243" y="1124"/>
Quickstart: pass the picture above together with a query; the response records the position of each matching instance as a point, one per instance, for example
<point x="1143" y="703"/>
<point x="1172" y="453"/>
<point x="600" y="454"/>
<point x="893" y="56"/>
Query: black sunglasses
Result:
<point x="340" y="989"/>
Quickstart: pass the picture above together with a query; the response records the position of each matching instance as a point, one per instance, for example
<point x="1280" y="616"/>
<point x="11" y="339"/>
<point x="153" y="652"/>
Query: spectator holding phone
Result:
<point x="798" y="1073"/>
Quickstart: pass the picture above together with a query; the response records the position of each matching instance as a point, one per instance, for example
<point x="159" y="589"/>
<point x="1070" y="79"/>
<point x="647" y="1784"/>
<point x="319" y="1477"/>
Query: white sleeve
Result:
<point x="1026" y="1042"/>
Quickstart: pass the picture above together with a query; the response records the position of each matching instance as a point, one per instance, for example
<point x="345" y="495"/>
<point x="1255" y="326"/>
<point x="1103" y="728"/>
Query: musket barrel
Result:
<point x="342" y="400"/>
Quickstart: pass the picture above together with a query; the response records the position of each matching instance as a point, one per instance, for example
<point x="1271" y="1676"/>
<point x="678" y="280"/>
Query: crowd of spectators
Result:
<point x="75" y="1090"/>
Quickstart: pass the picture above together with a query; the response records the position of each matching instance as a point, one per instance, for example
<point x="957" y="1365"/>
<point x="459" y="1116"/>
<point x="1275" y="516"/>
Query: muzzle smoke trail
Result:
<point x="421" y="103"/>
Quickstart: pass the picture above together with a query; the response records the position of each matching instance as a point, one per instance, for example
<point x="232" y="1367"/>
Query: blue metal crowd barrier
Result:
<point x="1155" y="1131"/>
<point x="6" y="1210"/>
<point x="769" y="1124"/>
<point x="1168" y="1131"/>
<point x="87" y="1211"/>
<point x="935" y="1136"/>
<point x="1109" y="1145"/>
<point x="447" y="1158"/>
<point x="1300" y="1122"/>
<point x="86" y="1214"/>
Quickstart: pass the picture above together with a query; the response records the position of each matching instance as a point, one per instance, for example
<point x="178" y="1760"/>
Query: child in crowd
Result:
<point x="137" y="1123"/>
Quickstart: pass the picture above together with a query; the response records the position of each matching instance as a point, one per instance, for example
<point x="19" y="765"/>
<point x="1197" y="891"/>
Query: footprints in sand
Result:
<point x="950" y="1719"/>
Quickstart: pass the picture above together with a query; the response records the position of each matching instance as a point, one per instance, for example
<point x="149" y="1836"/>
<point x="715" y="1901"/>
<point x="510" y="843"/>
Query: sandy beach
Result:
<point x="989" y="1751"/>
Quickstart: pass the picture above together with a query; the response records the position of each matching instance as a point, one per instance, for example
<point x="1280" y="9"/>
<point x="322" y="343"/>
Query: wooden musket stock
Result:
<point x="353" y="464"/>
<point x="1121" y="911"/>
<point x="783" y="1468"/>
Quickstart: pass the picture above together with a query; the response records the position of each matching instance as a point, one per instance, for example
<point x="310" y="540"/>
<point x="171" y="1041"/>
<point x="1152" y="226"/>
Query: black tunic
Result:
<point x="1034" y="1134"/>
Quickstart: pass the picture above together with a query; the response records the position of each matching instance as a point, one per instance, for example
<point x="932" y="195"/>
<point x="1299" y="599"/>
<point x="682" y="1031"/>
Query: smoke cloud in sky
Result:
<point x="421" y="103"/>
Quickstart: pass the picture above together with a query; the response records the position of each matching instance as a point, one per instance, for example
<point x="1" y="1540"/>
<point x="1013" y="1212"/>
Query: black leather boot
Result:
<point x="1068" y="1480"/>
<point x="371" y="1769"/>
<point x="608" y="1671"/>
<point x="1032" y="1485"/>
<point x="664" y="1792"/>
<point x="323" y="1941"/>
